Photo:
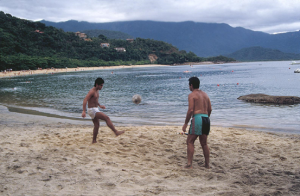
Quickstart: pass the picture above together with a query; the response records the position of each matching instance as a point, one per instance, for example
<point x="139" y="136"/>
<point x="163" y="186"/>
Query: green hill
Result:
<point x="107" y="33"/>
<point x="262" y="54"/>
<point x="31" y="45"/>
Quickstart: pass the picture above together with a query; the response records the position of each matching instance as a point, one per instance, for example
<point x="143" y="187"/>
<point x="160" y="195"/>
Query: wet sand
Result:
<point x="48" y="156"/>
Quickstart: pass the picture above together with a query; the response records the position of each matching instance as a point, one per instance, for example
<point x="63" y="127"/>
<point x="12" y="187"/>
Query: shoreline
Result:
<point x="74" y="120"/>
<point x="65" y="70"/>
<point x="45" y="156"/>
<point x="10" y="74"/>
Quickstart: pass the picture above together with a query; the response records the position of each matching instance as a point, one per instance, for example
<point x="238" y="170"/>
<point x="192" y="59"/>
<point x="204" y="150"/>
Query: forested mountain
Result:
<point x="29" y="45"/>
<point x="204" y="39"/>
<point x="108" y="34"/>
<point x="262" y="54"/>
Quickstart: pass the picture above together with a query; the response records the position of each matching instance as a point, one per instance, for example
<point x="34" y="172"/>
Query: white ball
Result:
<point x="136" y="99"/>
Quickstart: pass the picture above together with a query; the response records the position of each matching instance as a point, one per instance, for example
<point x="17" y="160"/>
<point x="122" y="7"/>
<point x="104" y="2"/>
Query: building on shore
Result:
<point x="104" y="45"/>
<point x="120" y="49"/>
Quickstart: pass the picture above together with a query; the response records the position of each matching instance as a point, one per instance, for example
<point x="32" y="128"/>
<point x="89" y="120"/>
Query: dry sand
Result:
<point x="41" y="156"/>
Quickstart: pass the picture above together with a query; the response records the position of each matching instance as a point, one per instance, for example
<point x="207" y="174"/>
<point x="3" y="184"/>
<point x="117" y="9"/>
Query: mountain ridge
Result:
<point x="203" y="39"/>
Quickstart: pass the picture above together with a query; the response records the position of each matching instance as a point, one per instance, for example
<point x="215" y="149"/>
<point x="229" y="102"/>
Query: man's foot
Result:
<point x="94" y="141"/>
<point x="119" y="133"/>
<point x="207" y="166"/>
<point x="188" y="167"/>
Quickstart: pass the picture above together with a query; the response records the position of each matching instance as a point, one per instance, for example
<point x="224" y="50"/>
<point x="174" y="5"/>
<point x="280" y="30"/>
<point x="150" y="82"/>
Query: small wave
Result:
<point x="10" y="89"/>
<point x="154" y="75"/>
<point x="46" y="112"/>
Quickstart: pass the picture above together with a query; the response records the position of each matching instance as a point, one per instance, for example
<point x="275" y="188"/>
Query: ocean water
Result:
<point x="164" y="92"/>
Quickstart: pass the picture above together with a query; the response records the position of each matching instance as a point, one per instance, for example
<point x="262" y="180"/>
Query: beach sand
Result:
<point x="47" y="156"/>
<point x="64" y="70"/>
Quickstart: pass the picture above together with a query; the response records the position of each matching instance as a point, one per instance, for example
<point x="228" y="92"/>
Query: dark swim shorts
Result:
<point x="200" y="124"/>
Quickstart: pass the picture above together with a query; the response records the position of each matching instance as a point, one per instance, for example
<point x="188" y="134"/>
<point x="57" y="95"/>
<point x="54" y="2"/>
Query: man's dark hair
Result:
<point x="99" y="81"/>
<point x="195" y="82"/>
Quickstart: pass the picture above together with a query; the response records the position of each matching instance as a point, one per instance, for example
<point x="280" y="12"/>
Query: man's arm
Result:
<point x="189" y="113"/>
<point x="101" y="106"/>
<point x="209" y="108"/>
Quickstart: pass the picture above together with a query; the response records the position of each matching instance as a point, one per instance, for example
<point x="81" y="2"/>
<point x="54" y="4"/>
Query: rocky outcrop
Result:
<point x="152" y="58"/>
<point x="262" y="98"/>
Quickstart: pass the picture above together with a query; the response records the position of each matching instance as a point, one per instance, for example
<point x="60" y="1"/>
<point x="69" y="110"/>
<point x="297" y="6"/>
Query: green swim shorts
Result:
<point x="200" y="124"/>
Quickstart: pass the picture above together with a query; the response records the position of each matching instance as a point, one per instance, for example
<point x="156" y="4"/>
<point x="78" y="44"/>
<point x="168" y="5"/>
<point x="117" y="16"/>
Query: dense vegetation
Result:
<point x="262" y="54"/>
<point x="107" y="33"/>
<point x="31" y="45"/>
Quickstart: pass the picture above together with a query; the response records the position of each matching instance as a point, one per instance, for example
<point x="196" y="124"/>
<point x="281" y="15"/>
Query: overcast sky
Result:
<point x="270" y="16"/>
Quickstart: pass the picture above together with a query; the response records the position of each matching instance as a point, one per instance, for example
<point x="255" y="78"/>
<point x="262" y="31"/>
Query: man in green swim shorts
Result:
<point x="199" y="110"/>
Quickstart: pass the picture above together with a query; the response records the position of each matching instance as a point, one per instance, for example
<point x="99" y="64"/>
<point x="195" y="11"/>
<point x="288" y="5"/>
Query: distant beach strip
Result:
<point x="5" y="74"/>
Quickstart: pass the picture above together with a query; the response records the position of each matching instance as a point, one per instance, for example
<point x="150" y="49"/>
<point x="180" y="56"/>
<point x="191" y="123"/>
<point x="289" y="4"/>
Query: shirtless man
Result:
<point x="92" y="100"/>
<point x="199" y="110"/>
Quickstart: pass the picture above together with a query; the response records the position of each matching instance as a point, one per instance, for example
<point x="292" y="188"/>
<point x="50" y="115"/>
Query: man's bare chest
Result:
<point x="95" y="96"/>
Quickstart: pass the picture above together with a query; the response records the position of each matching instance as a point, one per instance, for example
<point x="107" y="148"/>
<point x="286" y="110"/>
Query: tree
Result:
<point x="102" y="37"/>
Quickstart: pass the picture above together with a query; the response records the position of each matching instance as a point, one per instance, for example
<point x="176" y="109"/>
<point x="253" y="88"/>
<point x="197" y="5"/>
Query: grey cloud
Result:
<point x="267" y="15"/>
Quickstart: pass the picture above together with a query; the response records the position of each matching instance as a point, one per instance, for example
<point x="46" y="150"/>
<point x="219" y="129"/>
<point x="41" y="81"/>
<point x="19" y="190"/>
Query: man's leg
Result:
<point x="203" y="142"/>
<point x="102" y="116"/>
<point x="190" y="150"/>
<point x="96" y="129"/>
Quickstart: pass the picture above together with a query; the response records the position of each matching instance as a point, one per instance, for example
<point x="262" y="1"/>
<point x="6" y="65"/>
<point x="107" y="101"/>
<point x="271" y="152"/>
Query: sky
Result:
<point x="269" y="16"/>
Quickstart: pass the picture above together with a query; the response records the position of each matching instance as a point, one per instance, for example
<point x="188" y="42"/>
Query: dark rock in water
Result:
<point x="262" y="98"/>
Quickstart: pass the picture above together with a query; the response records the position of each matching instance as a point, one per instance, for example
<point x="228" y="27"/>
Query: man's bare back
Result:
<point x="201" y="102"/>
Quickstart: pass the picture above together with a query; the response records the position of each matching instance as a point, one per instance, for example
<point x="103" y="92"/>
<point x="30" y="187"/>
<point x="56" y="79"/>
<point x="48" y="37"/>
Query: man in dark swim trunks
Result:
<point x="199" y="110"/>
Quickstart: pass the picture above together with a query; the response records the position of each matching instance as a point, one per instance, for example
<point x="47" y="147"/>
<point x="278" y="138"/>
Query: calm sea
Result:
<point x="164" y="92"/>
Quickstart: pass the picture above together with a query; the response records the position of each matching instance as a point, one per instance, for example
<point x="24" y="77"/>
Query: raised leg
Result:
<point x="102" y="116"/>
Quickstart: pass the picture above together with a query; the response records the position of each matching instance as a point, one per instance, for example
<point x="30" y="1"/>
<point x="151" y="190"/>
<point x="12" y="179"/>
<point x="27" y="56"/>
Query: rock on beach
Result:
<point x="269" y="99"/>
